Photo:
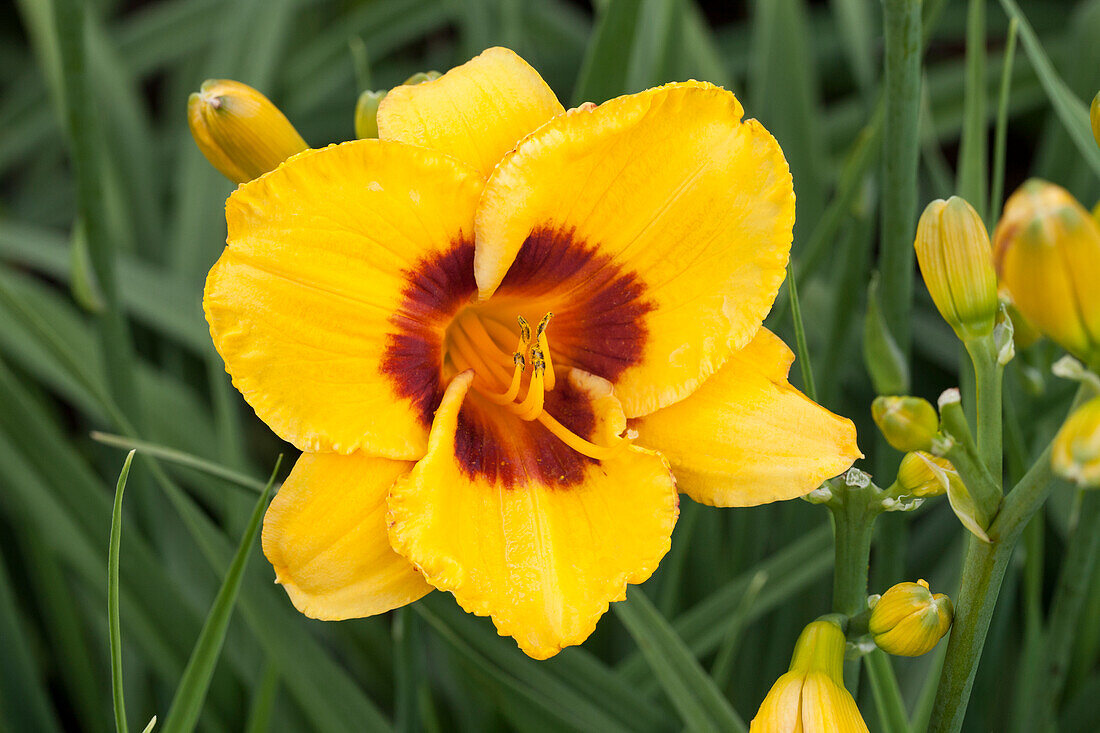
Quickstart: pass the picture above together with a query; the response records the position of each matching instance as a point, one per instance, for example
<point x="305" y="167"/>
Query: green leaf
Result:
<point x="115" y="629"/>
<point x="603" y="71"/>
<point x="1072" y="111"/>
<point x="183" y="714"/>
<point x="180" y="458"/>
<point x="700" y="703"/>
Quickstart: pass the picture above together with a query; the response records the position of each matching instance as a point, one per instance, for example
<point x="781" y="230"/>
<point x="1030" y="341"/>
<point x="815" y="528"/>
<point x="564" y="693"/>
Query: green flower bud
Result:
<point x="908" y="423"/>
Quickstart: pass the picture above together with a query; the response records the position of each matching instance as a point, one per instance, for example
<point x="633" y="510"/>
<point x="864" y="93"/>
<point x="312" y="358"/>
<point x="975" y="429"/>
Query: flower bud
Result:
<point x="909" y="621"/>
<point x="908" y="423"/>
<point x="239" y="130"/>
<point x="923" y="474"/>
<point x="1047" y="252"/>
<point x="366" y="114"/>
<point x="955" y="260"/>
<point x="1076" y="449"/>
<point x="811" y="697"/>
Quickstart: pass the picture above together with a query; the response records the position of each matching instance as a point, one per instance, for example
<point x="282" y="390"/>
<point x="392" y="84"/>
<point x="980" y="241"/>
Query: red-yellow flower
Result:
<point x="385" y="305"/>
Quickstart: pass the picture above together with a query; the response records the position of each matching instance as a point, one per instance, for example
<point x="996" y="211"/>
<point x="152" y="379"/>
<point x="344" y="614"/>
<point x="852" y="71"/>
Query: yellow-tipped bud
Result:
<point x="1094" y="117"/>
<point x="239" y="130"/>
<point x="1047" y="252"/>
<point x="366" y="114"/>
<point x="908" y="423"/>
<point x="811" y="696"/>
<point x="909" y="621"/>
<point x="1076" y="449"/>
<point x="957" y="265"/>
<point x="923" y="474"/>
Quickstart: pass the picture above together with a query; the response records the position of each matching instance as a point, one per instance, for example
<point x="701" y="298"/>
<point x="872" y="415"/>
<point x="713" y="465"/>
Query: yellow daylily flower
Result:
<point x="811" y="697"/>
<point x="493" y="329"/>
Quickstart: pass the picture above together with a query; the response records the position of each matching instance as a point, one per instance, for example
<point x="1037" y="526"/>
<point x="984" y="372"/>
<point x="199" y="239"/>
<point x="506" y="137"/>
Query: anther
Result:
<point x="544" y="346"/>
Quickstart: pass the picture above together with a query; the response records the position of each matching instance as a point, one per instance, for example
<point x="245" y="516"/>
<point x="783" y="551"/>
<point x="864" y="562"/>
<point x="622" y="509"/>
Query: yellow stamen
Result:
<point x="544" y="345"/>
<point x="579" y="444"/>
<point x="492" y="373"/>
<point x="532" y="404"/>
<point x="513" y="389"/>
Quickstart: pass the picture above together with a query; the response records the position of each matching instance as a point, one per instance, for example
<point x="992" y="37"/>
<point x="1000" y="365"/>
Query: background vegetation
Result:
<point x="101" y="328"/>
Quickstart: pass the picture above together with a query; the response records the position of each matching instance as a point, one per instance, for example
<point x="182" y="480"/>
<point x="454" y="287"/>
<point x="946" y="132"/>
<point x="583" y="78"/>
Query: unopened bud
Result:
<point x="366" y="114"/>
<point x="908" y="423"/>
<point x="1076" y="450"/>
<point x="811" y="695"/>
<point x="909" y="621"/>
<point x="1047" y="252"/>
<point x="239" y="130"/>
<point x="955" y="260"/>
<point x="923" y="474"/>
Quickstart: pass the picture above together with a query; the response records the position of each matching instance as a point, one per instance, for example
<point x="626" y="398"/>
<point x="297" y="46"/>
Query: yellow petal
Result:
<point x="309" y="304"/>
<point x="476" y="112"/>
<point x="687" y="209"/>
<point x="543" y="558"/>
<point x="325" y="534"/>
<point x="829" y="708"/>
<point x="781" y="710"/>
<point x="746" y="436"/>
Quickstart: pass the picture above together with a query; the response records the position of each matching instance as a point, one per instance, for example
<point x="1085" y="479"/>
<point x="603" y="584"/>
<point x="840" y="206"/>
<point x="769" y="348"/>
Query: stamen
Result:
<point x="494" y="374"/>
<point x="532" y="404"/>
<point x="544" y="345"/>
<point x="513" y="389"/>
<point x="579" y="444"/>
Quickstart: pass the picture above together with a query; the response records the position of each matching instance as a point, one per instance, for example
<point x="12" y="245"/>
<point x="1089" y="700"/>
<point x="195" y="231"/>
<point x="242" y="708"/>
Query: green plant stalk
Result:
<point x="853" y="530"/>
<point x="989" y="374"/>
<point x="808" y="385"/>
<point x="884" y="687"/>
<point x="971" y="182"/>
<point x="1069" y="597"/>
<point x="901" y="141"/>
<point x="1000" y="136"/>
<point x="982" y="573"/>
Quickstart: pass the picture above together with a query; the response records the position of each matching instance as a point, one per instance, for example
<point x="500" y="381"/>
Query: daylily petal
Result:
<point x="781" y="710"/>
<point x="746" y="436"/>
<point x="325" y="534"/>
<point x="828" y="708"/>
<point x="543" y="559"/>
<point x="306" y="303"/>
<point x="476" y="112"/>
<point x="679" y="213"/>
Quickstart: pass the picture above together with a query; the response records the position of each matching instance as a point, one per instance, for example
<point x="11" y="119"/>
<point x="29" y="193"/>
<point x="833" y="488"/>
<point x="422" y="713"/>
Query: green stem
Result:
<point x="1000" y="136"/>
<point x="854" y="526"/>
<point x="1069" y="598"/>
<point x="884" y="686"/>
<point x="800" y="337"/>
<point x="982" y="573"/>
<point x="990" y="375"/>
<point x="901" y="140"/>
<point x="972" y="148"/>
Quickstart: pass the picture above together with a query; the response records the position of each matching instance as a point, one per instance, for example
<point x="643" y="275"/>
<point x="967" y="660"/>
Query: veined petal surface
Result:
<point x="543" y="559"/>
<point x="746" y="436"/>
<point x="306" y="303"/>
<point x="325" y="534"/>
<point x="475" y="112"/>
<point x="686" y="209"/>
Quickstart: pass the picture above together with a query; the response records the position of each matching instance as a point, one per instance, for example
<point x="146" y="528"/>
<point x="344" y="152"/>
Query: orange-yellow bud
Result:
<point x="239" y="130"/>
<point x="1076" y="450"/>
<point x="907" y="423"/>
<point x="811" y="697"/>
<point x="1047" y="252"/>
<point x="957" y="265"/>
<point x="909" y="621"/>
<point x="923" y="474"/>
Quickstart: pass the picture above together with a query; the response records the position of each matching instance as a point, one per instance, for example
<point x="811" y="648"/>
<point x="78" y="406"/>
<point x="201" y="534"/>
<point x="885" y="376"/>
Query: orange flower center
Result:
<point x="517" y="382"/>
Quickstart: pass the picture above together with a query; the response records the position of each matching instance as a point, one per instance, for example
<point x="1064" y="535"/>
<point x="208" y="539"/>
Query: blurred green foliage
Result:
<point x="101" y="327"/>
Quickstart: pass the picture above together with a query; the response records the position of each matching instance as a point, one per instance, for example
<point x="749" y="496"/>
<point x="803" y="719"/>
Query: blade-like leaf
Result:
<point x="114" y="629"/>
